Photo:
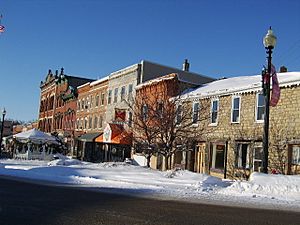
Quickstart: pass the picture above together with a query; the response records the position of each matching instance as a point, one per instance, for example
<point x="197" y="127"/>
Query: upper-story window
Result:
<point x="214" y="111"/>
<point x="116" y="95"/>
<point x="90" y="122"/>
<point x="144" y="112"/>
<point x="102" y="98"/>
<point x="129" y="118"/>
<point x="196" y="109"/>
<point x="235" y="109"/>
<point x="178" y="114"/>
<point x="260" y="107"/>
<point x="130" y="90"/>
<point x="123" y="93"/>
<point x="82" y="104"/>
<point x="78" y="105"/>
<point x="95" y="122"/>
<point x="97" y="101"/>
<point x="92" y="102"/>
<point x="100" y="121"/>
<point x="109" y="97"/>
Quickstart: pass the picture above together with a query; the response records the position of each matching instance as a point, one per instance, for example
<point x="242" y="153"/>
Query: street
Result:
<point x="30" y="204"/>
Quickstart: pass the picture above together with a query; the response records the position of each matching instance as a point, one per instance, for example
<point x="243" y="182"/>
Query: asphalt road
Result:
<point x="29" y="204"/>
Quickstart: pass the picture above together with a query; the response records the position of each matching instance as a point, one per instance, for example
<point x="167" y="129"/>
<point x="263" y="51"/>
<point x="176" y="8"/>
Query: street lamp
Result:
<point x="269" y="42"/>
<point x="1" y="137"/>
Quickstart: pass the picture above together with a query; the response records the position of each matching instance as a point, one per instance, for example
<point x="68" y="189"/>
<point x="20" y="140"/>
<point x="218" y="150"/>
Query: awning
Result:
<point x="89" y="137"/>
<point x="115" y="134"/>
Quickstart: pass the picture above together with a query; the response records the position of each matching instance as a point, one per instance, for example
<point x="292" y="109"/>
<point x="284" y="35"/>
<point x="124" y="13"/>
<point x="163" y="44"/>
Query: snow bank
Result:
<point x="277" y="191"/>
<point x="284" y="187"/>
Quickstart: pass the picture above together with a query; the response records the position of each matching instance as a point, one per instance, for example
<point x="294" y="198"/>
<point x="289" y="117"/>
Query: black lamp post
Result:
<point x="269" y="43"/>
<point x="1" y="137"/>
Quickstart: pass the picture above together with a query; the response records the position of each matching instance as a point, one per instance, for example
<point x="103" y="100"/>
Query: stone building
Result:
<point x="230" y="135"/>
<point x="57" y="112"/>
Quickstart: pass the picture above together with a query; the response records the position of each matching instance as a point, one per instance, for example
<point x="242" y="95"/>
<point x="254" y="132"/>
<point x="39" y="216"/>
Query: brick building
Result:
<point x="156" y="114"/>
<point x="58" y="103"/>
<point x="91" y="110"/>
<point x="119" y="95"/>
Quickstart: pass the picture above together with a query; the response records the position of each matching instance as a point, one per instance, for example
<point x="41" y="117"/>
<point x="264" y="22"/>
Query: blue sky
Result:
<point x="92" y="38"/>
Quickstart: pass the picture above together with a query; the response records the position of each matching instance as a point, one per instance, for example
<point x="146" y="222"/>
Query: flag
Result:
<point x="1" y="29"/>
<point x="275" y="87"/>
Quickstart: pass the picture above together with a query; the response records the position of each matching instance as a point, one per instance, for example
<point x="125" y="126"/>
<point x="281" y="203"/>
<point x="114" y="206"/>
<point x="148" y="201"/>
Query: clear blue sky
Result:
<point x="93" y="38"/>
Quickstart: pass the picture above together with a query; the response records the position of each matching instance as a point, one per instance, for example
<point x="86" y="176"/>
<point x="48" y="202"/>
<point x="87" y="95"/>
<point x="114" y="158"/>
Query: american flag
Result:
<point x="1" y="29"/>
<point x="275" y="87"/>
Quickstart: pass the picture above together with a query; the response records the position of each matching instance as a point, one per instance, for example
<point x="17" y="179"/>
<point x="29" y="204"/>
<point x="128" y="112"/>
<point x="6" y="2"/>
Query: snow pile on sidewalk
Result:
<point x="276" y="190"/>
<point x="273" y="186"/>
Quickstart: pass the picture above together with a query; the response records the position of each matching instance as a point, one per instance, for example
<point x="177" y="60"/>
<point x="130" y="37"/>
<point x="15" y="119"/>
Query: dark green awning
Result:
<point x="89" y="137"/>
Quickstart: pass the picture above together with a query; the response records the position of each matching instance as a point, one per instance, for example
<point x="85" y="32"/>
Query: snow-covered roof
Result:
<point x="99" y="81"/>
<point x="156" y="80"/>
<point x="241" y="84"/>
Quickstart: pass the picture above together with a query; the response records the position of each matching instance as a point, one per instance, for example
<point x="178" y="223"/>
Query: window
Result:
<point x="235" y="109"/>
<point x="214" y="111"/>
<point x="129" y="118"/>
<point x="179" y="114"/>
<point x="123" y="93"/>
<point x="260" y="107"/>
<point x="130" y="89"/>
<point x="160" y="108"/>
<point x="296" y="155"/>
<point x="78" y="105"/>
<point x="116" y="95"/>
<point x="97" y="100"/>
<point x="100" y="121"/>
<point x="82" y="104"/>
<point x="92" y="102"/>
<point x="90" y="122"/>
<point x="85" y="123"/>
<point x="257" y="157"/>
<point x="102" y="98"/>
<point x="195" y="115"/>
<point x="95" y="122"/>
<point x="144" y="112"/>
<point x="77" y="124"/>
<point x="218" y="153"/>
<point x="109" y="97"/>
<point x="242" y="156"/>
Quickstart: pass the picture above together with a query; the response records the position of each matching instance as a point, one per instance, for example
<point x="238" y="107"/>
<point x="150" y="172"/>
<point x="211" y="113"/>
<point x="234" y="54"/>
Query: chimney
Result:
<point x="62" y="71"/>
<point x="56" y="72"/>
<point x="186" y="66"/>
<point x="49" y="72"/>
<point x="283" y="69"/>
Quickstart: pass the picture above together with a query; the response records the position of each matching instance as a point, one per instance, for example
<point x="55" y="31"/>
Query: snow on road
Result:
<point x="271" y="191"/>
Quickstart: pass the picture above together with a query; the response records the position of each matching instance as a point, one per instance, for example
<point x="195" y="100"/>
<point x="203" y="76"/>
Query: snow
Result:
<point x="262" y="190"/>
<point x="241" y="84"/>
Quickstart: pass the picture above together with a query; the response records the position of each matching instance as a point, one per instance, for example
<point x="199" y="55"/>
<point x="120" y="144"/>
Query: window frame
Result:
<point x="212" y="111"/>
<point x="195" y="112"/>
<point x="233" y="109"/>
<point x="109" y="97"/>
<point x="116" y="90"/>
<point x="257" y="108"/>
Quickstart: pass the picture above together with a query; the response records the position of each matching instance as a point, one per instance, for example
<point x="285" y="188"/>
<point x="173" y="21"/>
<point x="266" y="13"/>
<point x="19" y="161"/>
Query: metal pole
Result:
<point x="267" y="112"/>
<point x="1" y="137"/>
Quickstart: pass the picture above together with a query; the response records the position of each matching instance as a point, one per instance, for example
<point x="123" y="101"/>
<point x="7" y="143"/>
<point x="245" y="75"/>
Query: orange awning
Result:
<point x="118" y="136"/>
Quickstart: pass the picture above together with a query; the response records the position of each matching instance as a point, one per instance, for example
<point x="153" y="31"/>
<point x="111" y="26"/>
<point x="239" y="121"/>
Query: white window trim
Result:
<point x="211" y="110"/>
<point x="232" y="105"/>
<point x="256" y="109"/>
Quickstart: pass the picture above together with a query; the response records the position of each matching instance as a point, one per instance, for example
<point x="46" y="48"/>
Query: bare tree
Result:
<point x="162" y="120"/>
